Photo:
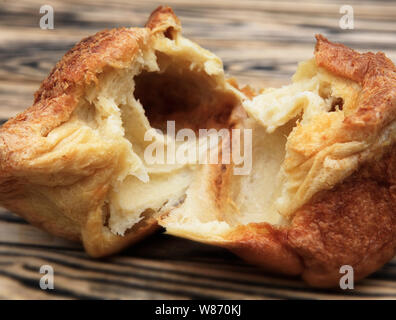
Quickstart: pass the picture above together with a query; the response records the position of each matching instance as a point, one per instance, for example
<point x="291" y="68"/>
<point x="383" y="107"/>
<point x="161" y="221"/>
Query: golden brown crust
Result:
<point x="99" y="241"/>
<point x="352" y="224"/>
<point x="374" y="72"/>
<point x="83" y="63"/>
<point x="59" y="93"/>
<point x="263" y="245"/>
<point x="163" y="18"/>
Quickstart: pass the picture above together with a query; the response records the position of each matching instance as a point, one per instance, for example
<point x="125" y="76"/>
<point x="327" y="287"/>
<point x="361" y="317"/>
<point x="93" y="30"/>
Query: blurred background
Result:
<point x="260" y="43"/>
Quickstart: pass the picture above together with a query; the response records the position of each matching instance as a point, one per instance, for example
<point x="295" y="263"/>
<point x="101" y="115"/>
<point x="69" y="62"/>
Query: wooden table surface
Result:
<point x="261" y="43"/>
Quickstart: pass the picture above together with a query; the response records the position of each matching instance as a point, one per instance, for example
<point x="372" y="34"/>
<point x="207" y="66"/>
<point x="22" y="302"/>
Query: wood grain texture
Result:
<point x="260" y="43"/>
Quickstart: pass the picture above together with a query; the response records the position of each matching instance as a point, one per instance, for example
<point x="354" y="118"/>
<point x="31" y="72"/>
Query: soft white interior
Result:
<point x="274" y="117"/>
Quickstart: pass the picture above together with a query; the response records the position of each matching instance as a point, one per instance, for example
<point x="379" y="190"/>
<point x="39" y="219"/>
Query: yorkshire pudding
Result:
<point x="319" y="192"/>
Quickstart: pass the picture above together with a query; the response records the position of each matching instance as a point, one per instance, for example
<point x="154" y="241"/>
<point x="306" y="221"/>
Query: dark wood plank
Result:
<point x="159" y="267"/>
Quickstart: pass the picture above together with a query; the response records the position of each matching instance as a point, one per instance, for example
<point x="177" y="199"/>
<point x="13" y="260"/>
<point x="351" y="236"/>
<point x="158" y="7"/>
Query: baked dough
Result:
<point x="321" y="192"/>
<point x="73" y="163"/>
